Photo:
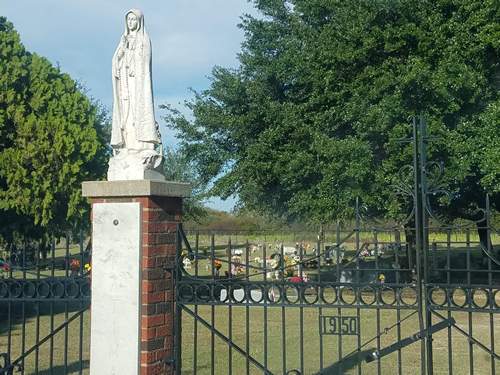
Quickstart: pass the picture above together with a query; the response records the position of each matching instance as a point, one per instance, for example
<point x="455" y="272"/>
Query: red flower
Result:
<point x="74" y="264"/>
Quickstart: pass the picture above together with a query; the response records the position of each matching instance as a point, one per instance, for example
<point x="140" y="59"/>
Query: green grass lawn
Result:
<point x="410" y="356"/>
<point x="290" y="238"/>
<point x="76" y="342"/>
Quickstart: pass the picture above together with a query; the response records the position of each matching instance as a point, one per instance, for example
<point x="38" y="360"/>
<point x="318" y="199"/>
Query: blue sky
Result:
<point x="189" y="37"/>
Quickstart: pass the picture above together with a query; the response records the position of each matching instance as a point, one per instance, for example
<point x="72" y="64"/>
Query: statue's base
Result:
<point x="135" y="188"/>
<point x="134" y="166"/>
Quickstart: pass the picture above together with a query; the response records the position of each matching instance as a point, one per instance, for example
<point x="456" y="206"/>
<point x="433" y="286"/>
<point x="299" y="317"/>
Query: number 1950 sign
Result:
<point x="339" y="325"/>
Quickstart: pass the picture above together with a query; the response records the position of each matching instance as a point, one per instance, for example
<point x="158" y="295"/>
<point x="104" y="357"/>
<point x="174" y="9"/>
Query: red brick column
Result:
<point x="160" y="216"/>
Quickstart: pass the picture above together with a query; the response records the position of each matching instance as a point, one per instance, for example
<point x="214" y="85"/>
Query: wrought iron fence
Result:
<point x="44" y="301"/>
<point x="353" y="306"/>
<point x="409" y="302"/>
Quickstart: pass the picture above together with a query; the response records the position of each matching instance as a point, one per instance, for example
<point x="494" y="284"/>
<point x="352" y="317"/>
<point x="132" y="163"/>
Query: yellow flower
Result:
<point x="87" y="267"/>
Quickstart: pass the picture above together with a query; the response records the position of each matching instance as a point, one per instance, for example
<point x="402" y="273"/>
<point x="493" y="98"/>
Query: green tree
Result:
<point x="51" y="139"/>
<point x="177" y="167"/>
<point x="313" y="115"/>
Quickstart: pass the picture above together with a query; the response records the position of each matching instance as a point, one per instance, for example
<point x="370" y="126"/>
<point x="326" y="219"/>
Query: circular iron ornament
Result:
<point x="458" y="297"/>
<point x="115" y="222"/>
<point x="71" y="289"/>
<point x="408" y="296"/>
<point x="387" y="296"/>
<point x="29" y="289"/>
<point x="480" y="298"/>
<point x="438" y="296"/>
<point x="293" y="372"/>
<point x="85" y="290"/>
<point x="347" y="295"/>
<point x="310" y="295"/>
<point x="496" y="298"/>
<point x="368" y="295"/>
<point x="4" y="289"/>
<point x="292" y="294"/>
<point x="203" y="293"/>
<point x="15" y="289"/>
<point x="185" y="292"/>
<point x="329" y="294"/>
<point x="234" y="296"/>
<point x="43" y="289"/>
<point x="256" y="290"/>
<point x="57" y="289"/>
<point x="274" y="294"/>
<point x="218" y="288"/>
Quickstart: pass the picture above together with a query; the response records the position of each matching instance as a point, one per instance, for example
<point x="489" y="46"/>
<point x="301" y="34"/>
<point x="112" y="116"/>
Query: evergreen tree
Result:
<point x="51" y="139"/>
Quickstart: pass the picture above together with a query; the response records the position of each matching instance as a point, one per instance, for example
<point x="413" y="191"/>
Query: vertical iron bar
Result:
<point x="265" y="298"/>
<point x="10" y="312"/>
<point x="230" y="302"/>
<point x="338" y="273"/>
<point x="358" y="310"/>
<point x="448" y="281"/>
<point x="23" y="304"/>
<point x="212" y="308"/>
<point x="195" y="324"/>
<point x="52" y="273"/>
<point x="471" y="348"/>
<point x="283" y="312"/>
<point x="247" y="308"/>
<point x="490" y="280"/>
<point x="9" y="328"/>
<point x="80" y="344"/>
<point x="375" y="240"/>
<point x="397" y="237"/>
<point x="37" y="307"/>
<point x="301" y="311"/>
<point x="425" y="240"/>
<point x="177" y="321"/>
<point x="66" y="312"/>
<point x="318" y="251"/>
<point x="418" y="234"/>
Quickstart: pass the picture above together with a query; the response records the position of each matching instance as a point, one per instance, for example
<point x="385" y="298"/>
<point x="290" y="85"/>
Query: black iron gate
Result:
<point x="405" y="300"/>
<point x="44" y="302"/>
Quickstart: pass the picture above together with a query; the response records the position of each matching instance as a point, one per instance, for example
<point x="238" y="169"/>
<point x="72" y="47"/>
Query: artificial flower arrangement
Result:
<point x="74" y="265"/>
<point x="217" y="264"/>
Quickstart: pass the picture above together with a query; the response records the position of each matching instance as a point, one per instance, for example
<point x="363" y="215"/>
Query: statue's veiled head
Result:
<point x="134" y="21"/>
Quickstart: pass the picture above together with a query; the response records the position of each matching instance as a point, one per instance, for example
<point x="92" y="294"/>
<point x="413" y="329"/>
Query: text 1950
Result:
<point x="339" y="325"/>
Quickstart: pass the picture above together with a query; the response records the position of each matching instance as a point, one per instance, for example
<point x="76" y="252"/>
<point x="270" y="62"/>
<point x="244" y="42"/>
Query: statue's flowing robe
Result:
<point x="138" y="102"/>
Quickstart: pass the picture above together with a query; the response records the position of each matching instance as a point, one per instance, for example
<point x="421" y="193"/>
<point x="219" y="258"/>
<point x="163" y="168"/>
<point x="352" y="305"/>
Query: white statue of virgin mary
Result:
<point x="135" y="137"/>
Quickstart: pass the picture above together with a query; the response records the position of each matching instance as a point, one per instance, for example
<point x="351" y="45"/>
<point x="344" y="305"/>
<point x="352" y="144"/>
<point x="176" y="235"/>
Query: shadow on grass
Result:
<point x="73" y="368"/>
<point x="188" y="371"/>
<point x="27" y="310"/>
<point x="347" y="363"/>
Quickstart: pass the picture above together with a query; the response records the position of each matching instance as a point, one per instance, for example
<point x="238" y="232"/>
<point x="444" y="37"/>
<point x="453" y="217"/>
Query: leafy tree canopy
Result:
<point x="177" y="167"/>
<point x="324" y="91"/>
<point x="51" y="139"/>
